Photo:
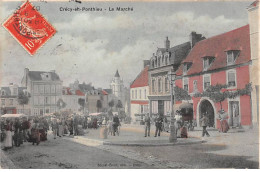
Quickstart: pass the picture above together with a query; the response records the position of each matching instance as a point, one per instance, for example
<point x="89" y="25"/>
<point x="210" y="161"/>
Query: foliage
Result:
<point x="119" y="104"/>
<point x="99" y="105"/>
<point x="111" y="103"/>
<point x="181" y="94"/>
<point x="216" y="94"/>
<point x="61" y="104"/>
<point x="81" y="102"/>
<point x="22" y="98"/>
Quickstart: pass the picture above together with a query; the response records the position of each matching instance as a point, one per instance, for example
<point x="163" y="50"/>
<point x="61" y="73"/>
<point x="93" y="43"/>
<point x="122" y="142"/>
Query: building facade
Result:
<point x="253" y="18"/>
<point x="71" y="98"/>
<point x="163" y="61"/>
<point x="139" y="91"/>
<point x="9" y="100"/>
<point x="45" y="88"/>
<point x="223" y="59"/>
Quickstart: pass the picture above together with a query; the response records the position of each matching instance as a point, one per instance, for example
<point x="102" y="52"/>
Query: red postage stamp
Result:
<point x="29" y="27"/>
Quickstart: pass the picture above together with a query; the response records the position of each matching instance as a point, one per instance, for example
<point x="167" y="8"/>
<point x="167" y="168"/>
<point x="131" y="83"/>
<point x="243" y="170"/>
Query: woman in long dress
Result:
<point x="8" y="138"/>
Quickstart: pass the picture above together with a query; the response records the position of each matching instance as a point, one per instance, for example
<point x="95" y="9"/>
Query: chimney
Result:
<point x="194" y="38"/>
<point x="167" y="43"/>
<point x="146" y="63"/>
<point x="26" y="72"/>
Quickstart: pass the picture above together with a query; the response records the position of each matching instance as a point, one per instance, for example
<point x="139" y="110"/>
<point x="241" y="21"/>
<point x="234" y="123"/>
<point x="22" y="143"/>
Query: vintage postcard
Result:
<point x="129" y="84"/>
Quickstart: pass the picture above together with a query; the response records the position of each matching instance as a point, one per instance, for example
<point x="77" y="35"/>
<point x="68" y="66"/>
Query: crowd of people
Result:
<point x="16" y="131"/>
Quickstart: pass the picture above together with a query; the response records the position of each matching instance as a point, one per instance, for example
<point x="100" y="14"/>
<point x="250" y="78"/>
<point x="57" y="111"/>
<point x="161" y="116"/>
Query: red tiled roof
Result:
<point x="142" y="79"/>
<point x="217" y="46"/>
<point x="79" y="93"/>
<point x="104" y="92"/>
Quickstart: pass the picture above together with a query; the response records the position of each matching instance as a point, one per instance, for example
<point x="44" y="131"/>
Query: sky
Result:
<point x="90" y="46"/>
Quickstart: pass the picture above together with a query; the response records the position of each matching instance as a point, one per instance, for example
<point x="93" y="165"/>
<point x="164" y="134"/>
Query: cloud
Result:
<point x="91" y="48"/>
<point x="89" y="22"/>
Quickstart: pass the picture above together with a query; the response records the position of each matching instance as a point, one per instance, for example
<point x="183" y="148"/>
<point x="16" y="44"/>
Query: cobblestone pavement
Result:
<point x="64" y="154"/>
<point x="221" y="150"/>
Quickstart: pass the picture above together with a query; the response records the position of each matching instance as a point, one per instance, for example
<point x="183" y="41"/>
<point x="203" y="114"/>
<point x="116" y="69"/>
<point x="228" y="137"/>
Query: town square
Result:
<point x="129" y="85"/>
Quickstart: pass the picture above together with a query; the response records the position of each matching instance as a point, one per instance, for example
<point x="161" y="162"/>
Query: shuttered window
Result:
<point x="232" y="79"/>
<point x="206" y="82"/>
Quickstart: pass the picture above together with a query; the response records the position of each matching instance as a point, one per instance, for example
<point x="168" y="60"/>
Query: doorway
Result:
<point x="207" y="109"/>
<point x="234" y="114"/>
<point x="161" y="107"/>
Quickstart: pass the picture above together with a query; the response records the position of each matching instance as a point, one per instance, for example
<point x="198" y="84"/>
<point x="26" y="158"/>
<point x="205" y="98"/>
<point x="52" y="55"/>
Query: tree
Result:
<point x="181" y="94"/>
<point x="99" y="105"/>
<point x="218" y="93"/>
<point x="61" y="104"/>
<point x="111" y="104"/>
<point x="81" y="102"/>
<point x="119" y="104"/>
<point x="22" y="99"/>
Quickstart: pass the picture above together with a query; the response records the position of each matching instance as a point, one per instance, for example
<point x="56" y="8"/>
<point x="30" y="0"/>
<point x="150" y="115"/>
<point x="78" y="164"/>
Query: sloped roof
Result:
<point x="117" y="74"/>
<point x="104" y="92"/>
<point x="177" y="53"/>
<point x="109" y="91"/>
<point x="8" y="90"/>
<point x="36" y="75"/>
<point x="142" y="79"/>
<point x="217" y="46"/>
<point x="79" y="93"/>
<point x="254" y="4"/>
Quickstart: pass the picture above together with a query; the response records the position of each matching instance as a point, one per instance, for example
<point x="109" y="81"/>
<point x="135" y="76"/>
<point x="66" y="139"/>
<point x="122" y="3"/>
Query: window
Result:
<point x="136" y="94"/>
<point x="159" y="60"/>
<point x="36" y="100"/>
<point x="195" y="85"/>
<point x="132" y="94"/>
<point x="231" y="56"/>
<point x="166" y="60"/>
<point x="207" y="61"/>
<point x="47" y="111"/>
<point x="186" y="84"/>
<point x="3" y="101"/>
<point x="52" y="88"/>
<point x="15" y="91"/>
<point x="145" y="94"/>
<point x="47" y="89"/>
<point x="41" y="88"/>
<point x="159" y="85"/>
<point x="46" y="100"/>
<point x="41" y="100"/>
<point x="35" y="111"/>
<point x="3" y="93"/>
<point x="35" y="89"/>
<point x="11" y="101"/>
<point x="166" y="82"/>
<point x="142" y="109"/>
<point x="231" y="79"/>
<point x="153" y="85"/>
<point x="41" y="111"/>
<point x="206" y="81"/>
<point x="140" y="94"/>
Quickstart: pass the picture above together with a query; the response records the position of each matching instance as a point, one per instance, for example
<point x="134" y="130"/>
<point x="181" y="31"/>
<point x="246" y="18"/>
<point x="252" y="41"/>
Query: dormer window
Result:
<point x="207" y="61"/>
<point x="232" y="56"/>
<point x="2" y="93"/>
<point x="15" y="91"/>
<point x="186" y="67"/>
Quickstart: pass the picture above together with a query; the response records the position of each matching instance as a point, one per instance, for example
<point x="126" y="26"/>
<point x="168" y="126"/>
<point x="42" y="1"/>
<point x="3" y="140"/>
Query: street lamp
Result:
<point x="172" y="77"/>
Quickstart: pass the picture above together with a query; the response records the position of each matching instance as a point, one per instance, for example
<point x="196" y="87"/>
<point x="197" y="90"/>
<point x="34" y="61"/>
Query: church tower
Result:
<point x="117" y="87"/>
